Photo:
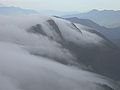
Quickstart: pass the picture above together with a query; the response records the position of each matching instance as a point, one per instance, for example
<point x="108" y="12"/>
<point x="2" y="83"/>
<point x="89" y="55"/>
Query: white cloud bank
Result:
<point x="19" y="70"/>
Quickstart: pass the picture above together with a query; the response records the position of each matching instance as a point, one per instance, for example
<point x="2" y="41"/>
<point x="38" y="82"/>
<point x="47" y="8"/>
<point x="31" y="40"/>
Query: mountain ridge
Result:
<point x="107" y="18"/>
<point x="111" y="33"/>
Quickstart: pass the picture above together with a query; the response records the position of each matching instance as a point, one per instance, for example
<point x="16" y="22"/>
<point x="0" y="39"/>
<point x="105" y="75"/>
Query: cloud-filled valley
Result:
<point x="48" y="53"/>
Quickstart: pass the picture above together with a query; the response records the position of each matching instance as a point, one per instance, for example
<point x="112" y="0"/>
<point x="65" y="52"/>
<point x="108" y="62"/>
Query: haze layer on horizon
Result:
<point x="64" y="5"/>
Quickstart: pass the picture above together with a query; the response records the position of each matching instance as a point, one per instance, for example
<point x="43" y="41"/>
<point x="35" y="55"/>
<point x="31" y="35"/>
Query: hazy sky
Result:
<point x="65" y="5"/>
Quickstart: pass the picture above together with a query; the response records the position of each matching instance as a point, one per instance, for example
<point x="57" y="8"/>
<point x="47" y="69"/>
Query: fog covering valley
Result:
<point x="39" y="52"/>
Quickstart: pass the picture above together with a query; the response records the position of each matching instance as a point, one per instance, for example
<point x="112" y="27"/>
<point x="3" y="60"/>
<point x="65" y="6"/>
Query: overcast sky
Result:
<point x="65" y="5"/>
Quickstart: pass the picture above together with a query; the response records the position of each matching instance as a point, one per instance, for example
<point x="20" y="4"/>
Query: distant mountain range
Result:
<point x="107" y="18"/>
<point x="15" y="10"/>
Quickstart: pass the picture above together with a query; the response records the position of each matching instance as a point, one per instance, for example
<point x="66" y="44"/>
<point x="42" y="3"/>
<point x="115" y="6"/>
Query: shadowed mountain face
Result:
<point x="103" y="59"/>
<point x="113" y="34"/>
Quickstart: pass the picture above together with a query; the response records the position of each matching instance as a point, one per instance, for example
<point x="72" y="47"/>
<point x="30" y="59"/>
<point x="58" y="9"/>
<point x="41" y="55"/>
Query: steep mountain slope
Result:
<point x="113" y="34"/>
<point x="107" y="18"/>
<point x="48" y="53"/>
